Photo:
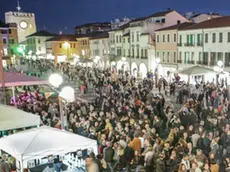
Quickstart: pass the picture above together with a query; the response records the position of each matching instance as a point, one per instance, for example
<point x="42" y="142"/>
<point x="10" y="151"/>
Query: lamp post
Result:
<point x="157" y="61"/>
<point x="66" y="46"/>
<point x="66" y="94"/>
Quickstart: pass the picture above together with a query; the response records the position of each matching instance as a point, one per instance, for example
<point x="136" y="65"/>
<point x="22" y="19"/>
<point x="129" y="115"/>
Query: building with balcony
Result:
<point x="166" y="45"/>
<point x="8" y="42"/>
<point x="92" y="27"/>
<point x="99" y="47"/>
<point x="134" y="40"/>
<point x="63" y="47"/>
<point x="36" y="43"/>
<point x="205" y="43"/>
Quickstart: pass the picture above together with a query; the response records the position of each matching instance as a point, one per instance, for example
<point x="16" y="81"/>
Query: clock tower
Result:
<point x="25" y="22"/>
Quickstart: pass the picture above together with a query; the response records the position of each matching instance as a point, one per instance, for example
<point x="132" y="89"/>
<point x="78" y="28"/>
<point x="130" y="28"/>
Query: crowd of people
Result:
<point x="138" y="127"/>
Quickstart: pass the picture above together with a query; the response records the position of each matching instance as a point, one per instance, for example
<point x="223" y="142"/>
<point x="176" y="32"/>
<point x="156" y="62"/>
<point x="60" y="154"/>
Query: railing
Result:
<point x="191" y="62"/>
<point x="179" y="61"/>
<point x="202" y="62"/>
<point x="199" y="44"/>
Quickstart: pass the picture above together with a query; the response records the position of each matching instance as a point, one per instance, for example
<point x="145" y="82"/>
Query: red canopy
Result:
<point x="18" y="79"/>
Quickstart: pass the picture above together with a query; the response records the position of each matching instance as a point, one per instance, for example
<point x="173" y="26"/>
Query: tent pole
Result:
<point x="21" y="164"/>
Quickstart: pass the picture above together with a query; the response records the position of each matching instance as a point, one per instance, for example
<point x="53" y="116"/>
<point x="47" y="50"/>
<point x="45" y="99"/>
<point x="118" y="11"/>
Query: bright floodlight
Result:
<point x="219" y="63"/>
<point x="158" y="60"/>
<point x="216" y="68"/>
<point x="67" y="93"/>
<point x="66" y="45"/>
<point x="123" y="59"/>
<point x="98" y="57"/>
<point x="55" y="80"/>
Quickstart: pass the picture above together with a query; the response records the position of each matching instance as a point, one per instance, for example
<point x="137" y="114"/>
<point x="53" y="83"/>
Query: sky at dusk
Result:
<point x="56" y="15"/>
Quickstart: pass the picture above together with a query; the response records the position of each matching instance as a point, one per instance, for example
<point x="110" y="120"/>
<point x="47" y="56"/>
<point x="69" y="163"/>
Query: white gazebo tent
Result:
<point x="43" y="141"/>
<point x="13" y="118"/>
<point x="195" y="70"/>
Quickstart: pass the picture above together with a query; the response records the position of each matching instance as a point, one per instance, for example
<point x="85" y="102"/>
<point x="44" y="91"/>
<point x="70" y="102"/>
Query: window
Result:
<point x="138" y="51"/>
<point x="39" y="48"/>
<point x="129" y="53"/>
<point x="228" y="36"/>
<point x="73" y="45"/>
<point x="163" y="56"/>
<point x="138" y="36"/>
<point x="158" y="54"/>
<point x="174" y="37"/>
<point x="128" y="39"/>
<point x="60" y="45"/>
<point x="132" y="37"/>
<point x="206" y="38"/>
<point x="9" y="31"/>
<point x="142" y="53"/>
<point x="123" y="40"/>
<point x="158" y="38"/>
<point x="174" y="57"/>
<point x="168" y="54"/>
<point x="168" y="38"/>
<point x="120" y="39"/>
<point x="198" y="39"/>
<point x="146" y="53"/>
<point x="133" y="51"/>
<point x="39" y="41"/>
<point x="116" y="39"/>
<point x="3" y="31"/>
<point x="4" y="40"/>
<point x="163" y="39"/>
<point x="213" y="37"/>
<point x="180" y="39"/>
<point x="220" y="37"/>
<point x="11" y="41"/>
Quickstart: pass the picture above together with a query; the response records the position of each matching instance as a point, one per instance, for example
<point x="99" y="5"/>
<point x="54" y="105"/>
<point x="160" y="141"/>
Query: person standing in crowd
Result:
<point x="4" y="166"/>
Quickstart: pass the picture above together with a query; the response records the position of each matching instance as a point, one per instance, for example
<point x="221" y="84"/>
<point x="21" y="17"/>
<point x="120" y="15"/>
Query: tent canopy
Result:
<point x="44" y="141"/>
<point x="195" y="70"/>
<point x="12" y="118"/>
<point x="18" y="79"/>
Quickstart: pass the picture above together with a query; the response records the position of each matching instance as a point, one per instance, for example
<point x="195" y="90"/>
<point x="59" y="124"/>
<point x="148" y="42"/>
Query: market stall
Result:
<point x="12" y="118"/>
<point x="35" y="144"/>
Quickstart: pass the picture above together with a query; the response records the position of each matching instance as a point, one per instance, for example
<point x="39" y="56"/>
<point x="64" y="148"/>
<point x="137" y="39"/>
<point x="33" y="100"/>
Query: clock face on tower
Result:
<point x="23" y="24"/>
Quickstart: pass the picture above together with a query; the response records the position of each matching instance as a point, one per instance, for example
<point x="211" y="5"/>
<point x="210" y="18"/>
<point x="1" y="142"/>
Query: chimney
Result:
<point x="178" y="21"/>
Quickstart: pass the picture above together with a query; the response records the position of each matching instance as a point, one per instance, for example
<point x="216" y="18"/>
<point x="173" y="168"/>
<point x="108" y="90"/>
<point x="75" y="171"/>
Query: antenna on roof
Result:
<point x="18" y="7"/>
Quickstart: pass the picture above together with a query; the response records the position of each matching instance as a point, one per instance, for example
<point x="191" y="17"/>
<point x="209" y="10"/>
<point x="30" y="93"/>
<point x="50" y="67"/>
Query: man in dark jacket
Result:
<point x="108" y="156"/>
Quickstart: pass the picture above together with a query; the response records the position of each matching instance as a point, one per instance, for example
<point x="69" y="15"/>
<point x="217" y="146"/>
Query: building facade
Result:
<point x="206" y="43"/>
<point x="134" y="40"/>
<point x="201" y="17"/>
<point x="63" y="48"/>
<point x="36" y="43"/>
<point x="99" y="47"/>
<point x="8" y="42"/>
<point x="92" y="27"/>
<point x="25" y="22"/>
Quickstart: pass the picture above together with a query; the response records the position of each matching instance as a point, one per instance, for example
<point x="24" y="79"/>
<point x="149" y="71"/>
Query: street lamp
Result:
<point x="66" y="94"/>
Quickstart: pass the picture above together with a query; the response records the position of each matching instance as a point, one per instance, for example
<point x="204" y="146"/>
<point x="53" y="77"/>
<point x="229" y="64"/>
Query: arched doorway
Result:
<point x="143" y="70"/>
<point x="134" y="69"/>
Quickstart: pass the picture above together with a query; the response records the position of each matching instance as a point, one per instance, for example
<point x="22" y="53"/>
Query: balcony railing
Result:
<point x="179" y="61"/>
<point x="199" y="44"/>
<point x="191" y="62"/>
<point x="202" y="62"/>
<point x="189" y="44"/>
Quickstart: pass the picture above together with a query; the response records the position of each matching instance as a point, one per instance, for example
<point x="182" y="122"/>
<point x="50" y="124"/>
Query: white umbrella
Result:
<point x="195" y="70"/>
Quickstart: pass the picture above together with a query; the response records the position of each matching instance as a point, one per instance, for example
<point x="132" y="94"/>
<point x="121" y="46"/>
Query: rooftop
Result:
<point x="4" y="25"/>
<point x="42" y="33"/>
<point x="101" y="35"/>
<point x="160" y="14"/>
<point x="64" y="37"/>
<point x="212" y="23"/>
<point x="176" y="27"/>
<point x="94" y="24"/>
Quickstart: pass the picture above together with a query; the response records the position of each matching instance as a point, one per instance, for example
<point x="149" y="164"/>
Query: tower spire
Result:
<point x="18" y="7"/>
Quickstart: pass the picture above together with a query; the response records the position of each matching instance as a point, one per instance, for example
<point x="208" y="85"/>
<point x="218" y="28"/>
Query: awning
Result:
<point x="18" y="79"/>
